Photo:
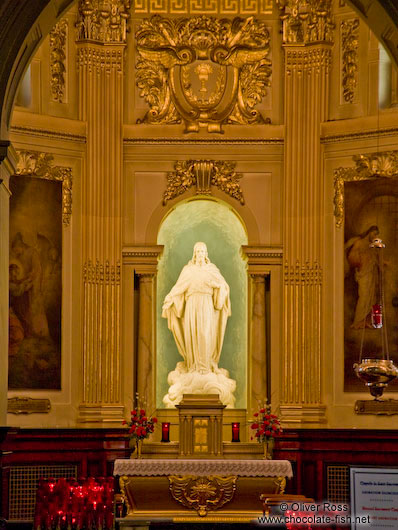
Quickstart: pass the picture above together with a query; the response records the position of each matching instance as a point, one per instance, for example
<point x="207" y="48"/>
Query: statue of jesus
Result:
<point x="197" y="309"/>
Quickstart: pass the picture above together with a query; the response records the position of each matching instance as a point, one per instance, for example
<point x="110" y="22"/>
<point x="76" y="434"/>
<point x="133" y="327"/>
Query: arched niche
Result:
<point x="216" y="224"/>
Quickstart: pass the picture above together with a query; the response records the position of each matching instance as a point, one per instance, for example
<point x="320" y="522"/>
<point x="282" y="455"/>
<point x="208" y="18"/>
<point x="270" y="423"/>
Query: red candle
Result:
<point x="235" y="431"/>
<point x="166" y="432"/>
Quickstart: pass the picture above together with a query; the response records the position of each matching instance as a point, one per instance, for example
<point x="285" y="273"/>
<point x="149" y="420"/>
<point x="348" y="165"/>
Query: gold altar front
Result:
<point x="197" y="489"/>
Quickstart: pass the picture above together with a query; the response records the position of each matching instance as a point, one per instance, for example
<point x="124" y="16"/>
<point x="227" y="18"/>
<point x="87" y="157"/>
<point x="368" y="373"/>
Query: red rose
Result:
<point x="256" y="434"/>
<point x="262" y="411"/>
<point x="261" y="432"/>
<point x="267" y="417"/>
<point x="255" y="414"/>
<point x="144" y="418"/>
<point x="268" y="433"/>
<point x="254" y="425"/>
<point x="155" y="420"/>
<point x="274" y="427"/>
<point x="124" y="422"/>
<point x="273" y="416"/>
<point x="133" y="412"/>
<point x="266" y="423"/>
<point x="142" y="412"/>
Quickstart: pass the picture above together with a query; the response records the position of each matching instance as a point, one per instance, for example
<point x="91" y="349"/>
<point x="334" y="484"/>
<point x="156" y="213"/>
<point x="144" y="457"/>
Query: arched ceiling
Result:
<point x="24" y="23"/>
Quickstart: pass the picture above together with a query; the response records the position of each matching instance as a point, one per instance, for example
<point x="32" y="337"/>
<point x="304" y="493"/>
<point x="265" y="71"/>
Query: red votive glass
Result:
<point x="165" y="432"/>
<point x="235" y="431"/>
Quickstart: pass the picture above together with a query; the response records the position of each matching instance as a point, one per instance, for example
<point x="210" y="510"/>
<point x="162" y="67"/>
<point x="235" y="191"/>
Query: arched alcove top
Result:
<point x="243" y="213"/>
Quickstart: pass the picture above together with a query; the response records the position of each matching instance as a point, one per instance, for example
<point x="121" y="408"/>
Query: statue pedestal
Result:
<point x="201" y="419"/>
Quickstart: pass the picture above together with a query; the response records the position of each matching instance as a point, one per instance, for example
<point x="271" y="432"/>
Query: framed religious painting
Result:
<point x="370" y="274"/>
<point x="35" y="283"/>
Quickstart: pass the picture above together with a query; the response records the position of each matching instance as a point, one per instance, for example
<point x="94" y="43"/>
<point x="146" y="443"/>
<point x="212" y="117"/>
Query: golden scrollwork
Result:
<point x="39" y="165"/>
<point x="349" y="45"/>
<point x="202" y="70"/>
<point x="104" y="21"/>
<point x="367" y="167"/>
<point x="202" y="494"/>
<point x="306" y="21"/>
<point x="203" y="174"/>
<point x="58" y="41"/>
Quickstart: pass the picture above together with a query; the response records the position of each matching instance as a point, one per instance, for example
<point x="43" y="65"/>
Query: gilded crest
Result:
<point x="202" y="493"/>
<point x="203" y="70"/>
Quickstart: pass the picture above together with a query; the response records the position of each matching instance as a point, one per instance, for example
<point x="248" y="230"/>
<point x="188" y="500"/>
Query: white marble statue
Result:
<point x="197" y="309"/>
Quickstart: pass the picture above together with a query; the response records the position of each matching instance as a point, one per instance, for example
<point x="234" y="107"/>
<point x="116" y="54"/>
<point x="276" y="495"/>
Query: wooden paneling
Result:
<point x="311" y="451"/>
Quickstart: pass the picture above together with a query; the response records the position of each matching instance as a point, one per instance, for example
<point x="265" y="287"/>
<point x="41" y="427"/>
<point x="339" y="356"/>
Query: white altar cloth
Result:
<point x="143" y="467"/>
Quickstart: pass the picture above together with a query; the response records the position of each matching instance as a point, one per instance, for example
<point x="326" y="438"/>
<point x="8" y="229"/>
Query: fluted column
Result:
<point x="142" y="262"/>
<point x="100" y="50"/>
<point x="307" y="43"/>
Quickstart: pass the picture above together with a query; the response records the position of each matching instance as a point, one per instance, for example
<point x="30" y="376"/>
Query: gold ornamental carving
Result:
<point x="58" y="42"/>
<point x="202" y="494"/>
<point x="103" y="21"/>
<point x="203" y="174"/>
<point x="349" y="45"/>
<point x="306" y="21"/>
<point x="367" y="167"/>
<point x="204" y="71"/>
<point x="39" y="165"/>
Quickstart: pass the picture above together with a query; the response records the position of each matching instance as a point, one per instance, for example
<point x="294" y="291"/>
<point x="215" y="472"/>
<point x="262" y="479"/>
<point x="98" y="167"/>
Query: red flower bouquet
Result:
<point x="140" y="426"/>
<point x="265" y="424"/>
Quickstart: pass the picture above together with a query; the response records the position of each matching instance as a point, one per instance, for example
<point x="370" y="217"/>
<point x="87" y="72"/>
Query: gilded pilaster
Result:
<point x="101" y="33"/>
<point x="307" y="42"/>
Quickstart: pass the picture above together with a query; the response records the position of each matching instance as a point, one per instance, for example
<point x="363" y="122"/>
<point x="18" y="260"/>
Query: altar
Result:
<point x="192" y="490"/>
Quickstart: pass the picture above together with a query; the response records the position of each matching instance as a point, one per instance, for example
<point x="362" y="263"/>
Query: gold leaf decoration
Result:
<point x="202" y="70"/>
<point x="104" y="21"/>
<point x="203" y="174"/>
<point x="367" y="167"/>
<point x="39" y="165"/>
<point x="202" y="493"/>
<point x="306" y="21"/>
<point x="58" y="40"/>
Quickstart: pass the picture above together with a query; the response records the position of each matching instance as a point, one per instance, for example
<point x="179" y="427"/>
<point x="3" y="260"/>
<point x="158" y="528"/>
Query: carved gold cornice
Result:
<point x="306" y="21"/>
<point x="359" y="135"/>
<point x="367" y="167"/>
<point x="39" y="165"/>
<point x="58" y="42"/>
<point x="44" y="133"/>
<point x="203" y="174"/>
<point x="349" y="45"/>
<point x="202" y="494"/>
<point x="202" y="70"/>
<point x="203" y="141"/>
<point x="99" y="273"/>
<point x="103" y="21"/>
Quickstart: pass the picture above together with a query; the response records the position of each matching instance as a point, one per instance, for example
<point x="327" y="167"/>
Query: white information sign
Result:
<point x="374" y="498"/>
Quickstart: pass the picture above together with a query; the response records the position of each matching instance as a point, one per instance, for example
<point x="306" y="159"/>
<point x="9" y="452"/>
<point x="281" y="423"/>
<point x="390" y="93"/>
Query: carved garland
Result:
<point x="58" y="40"/>
<point x="39" y="165"/>
<point x="367" y="167"/>
<point x="349" y="43"/>
<point x="203" y="174"/>
<point x="203" y="70"/>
